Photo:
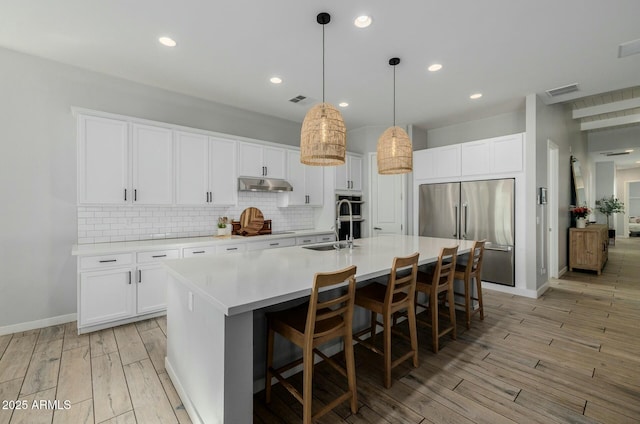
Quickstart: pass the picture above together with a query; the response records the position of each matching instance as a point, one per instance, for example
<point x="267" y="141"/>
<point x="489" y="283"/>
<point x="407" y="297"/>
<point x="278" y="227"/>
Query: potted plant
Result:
<point x="608" y="206"/>
<point x="580" y="213"/>
<point x="222" y="226"/>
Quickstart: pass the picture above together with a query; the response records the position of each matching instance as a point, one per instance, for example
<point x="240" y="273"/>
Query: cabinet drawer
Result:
<point x="198" y="251"/>
<point x="271" y="244"/>
<point x="158" y="255"/>
<point x="94" y="262"/>
<point x="306" y="240"/>
<point x="230" y="248"/>
<point x="325" y="237"/>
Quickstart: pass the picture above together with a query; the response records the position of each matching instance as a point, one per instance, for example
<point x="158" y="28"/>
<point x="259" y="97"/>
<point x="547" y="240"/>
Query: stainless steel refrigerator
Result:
<point x="474" y="210"/>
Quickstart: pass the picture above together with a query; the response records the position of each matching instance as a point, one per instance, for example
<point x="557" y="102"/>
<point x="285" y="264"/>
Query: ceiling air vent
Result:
<point x="559" y="91"/>
<point x="615" y="153"/>
<point x="298" y="99"/>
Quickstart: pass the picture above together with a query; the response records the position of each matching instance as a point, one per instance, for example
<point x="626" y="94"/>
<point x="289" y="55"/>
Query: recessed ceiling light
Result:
<point x="638" y="161"/>
<point x="343" y="104"/>
<point x="435" y="67"/>
<point x="166" y="41"/>
<point x="475" y="96"/>
<point x="629" y="150"/>
<point x="362" y="21"/>
<point x="275" y="80"/>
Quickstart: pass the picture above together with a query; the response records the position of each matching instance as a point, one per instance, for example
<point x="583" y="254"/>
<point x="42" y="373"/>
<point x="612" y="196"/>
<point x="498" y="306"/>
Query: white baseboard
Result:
<point x="543" y="289"/>
<point x="563" y="271"/>
<point x="32" y="325"/>
<point x="511" y="290"/>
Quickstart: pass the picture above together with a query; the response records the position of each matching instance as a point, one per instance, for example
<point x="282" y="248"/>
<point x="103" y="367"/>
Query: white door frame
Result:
<point x="553" y="163"/>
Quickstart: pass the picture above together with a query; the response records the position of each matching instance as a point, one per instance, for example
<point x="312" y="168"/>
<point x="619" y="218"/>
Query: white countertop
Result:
<point x="159" y="244"/>
<point x="239" y="282"/>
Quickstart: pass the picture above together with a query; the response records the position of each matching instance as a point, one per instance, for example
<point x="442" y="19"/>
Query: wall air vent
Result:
<point x="629" y="48"/>
<point x="559" y="91"/>
<point x="298" y="99"/>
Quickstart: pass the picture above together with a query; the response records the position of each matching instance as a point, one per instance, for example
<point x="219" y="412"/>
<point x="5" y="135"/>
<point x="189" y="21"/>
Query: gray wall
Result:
<point x="38" y="168"/>
<point x="555" y="123"/>
<point x="506" y="123"/>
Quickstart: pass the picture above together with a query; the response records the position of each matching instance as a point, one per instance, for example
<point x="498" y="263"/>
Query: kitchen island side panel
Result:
<point x="210" y="368"/>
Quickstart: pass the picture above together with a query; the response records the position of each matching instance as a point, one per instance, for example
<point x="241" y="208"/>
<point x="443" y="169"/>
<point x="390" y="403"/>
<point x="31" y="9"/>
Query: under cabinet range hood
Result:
<point x="263" y="184"/>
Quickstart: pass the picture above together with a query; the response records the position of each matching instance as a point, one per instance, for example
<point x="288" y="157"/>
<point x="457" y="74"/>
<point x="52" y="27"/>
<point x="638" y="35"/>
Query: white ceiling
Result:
<point x="228" y="50"/>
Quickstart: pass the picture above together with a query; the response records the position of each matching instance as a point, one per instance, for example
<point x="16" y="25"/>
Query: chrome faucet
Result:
<point x="349" y="238"/>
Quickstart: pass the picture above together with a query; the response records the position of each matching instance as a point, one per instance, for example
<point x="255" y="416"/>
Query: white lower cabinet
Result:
<point x="106" y="295"/>
<point x="151" y="288"/>
<point x="109" y="293"/>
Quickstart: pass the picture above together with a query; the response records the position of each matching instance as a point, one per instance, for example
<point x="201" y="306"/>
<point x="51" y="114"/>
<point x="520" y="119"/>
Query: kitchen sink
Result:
<point x="332" y="246"/>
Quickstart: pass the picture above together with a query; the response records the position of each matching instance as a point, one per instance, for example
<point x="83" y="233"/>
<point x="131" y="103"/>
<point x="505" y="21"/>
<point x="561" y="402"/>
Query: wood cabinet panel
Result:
<point x="588" y="247"/>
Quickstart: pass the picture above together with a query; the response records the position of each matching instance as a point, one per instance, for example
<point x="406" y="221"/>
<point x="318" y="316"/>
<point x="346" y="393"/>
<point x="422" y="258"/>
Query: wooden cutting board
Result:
<point x="251" y="221"/>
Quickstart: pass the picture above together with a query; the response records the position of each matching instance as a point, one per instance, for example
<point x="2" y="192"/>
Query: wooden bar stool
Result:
<point x="472" y="270"/>
<point x="311" y="325"/>
<point x="435" y="283"/>
<point x="397" y="296"/>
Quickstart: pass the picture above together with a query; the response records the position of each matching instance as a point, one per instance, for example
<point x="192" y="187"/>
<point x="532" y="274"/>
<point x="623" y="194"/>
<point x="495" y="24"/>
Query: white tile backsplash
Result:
<point x="98" y="224"/>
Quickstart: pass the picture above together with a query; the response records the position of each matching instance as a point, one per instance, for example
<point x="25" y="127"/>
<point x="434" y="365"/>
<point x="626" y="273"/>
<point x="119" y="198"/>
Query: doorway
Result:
<point x="553" y="163"/>
<point x="388" y="204"/>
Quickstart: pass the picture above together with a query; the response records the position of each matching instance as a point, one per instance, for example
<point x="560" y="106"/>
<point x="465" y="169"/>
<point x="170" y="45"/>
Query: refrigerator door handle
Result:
<point x="466" y="213"/>
<point x="457" y="221"/>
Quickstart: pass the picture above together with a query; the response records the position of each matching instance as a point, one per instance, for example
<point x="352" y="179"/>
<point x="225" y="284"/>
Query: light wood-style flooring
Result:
<point x="571" y="356"/>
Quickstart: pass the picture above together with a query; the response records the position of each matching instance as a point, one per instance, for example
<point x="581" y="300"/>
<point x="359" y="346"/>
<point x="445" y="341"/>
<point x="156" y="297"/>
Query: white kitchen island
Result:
<point x="211" y="301"/>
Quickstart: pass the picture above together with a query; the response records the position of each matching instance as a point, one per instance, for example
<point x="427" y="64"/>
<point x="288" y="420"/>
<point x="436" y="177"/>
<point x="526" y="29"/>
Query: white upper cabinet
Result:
<point x="307" y="182"/>
<point x="152" y="165"/>
<point x="487" y="157"/>
<point x="508" y="153"/>
<point x="192" y="169"/>
<point x="205" y="171"/>
<point x="475" y="157"/>
<point x="492" y="156"/>
<point x="223" y="179"/>
<point x="349" y="175"/>
<point x="438" y="162"/>
<point x="103" y="161"/>
<point x="256" y="160"/>
<point x="446" y="161"/>
<point x="122" y="163"/>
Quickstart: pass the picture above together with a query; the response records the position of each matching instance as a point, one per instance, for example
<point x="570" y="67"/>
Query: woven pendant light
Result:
<point x="395" y="152"/>
<point x="323" y="138"/>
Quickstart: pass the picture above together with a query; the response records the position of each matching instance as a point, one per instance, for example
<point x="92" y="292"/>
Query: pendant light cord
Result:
<point x="394" y="95"/>
<point x="323" y="63"/>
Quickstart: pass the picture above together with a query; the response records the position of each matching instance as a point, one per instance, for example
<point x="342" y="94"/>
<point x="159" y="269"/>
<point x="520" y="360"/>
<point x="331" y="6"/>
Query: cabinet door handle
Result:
<point x="159" y="256"/>
<point x="306" y="241"/>
<point x="139" y="276"/>
<point x="377" y="228"/>
<point x="108" y="260"/>
<point x="125" y="194"/>
<point x="232" y="248"/>
<point x="135" y="195"/>
<point x="129" y="277"/>
<point x="198" y="251"/>
<point x="274" y="244"/>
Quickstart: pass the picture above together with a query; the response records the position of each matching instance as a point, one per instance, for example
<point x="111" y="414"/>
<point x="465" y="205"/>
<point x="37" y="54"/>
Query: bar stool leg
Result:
<point x="351" y="371"/>
<point x="452" y="312"/>
<point x="435" y="328"/>
<point x="480" y="305"/>
<point x="307" y="384"/>
<point x="387" y="350"/>
<point x="467" y="301"/>
<point x="413" y="332"/>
